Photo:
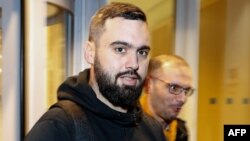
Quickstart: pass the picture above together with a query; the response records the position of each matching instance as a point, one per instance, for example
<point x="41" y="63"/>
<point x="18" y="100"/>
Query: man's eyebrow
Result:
<point x="121" y="43"/>
<point x="176" y="84"/>
<point x="144" y="48"/>
<point x="129" y="45"/>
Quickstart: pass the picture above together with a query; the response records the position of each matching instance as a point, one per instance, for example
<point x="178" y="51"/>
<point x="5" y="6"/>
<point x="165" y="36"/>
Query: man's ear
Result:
<point x="89" y="52"/>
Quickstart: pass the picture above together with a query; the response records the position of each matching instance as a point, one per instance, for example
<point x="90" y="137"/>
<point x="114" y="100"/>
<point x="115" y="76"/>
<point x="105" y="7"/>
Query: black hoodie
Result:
<point x="106" y="124"/>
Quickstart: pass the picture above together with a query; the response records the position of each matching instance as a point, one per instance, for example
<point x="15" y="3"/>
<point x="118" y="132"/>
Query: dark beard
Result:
<point x="124" y="96"/>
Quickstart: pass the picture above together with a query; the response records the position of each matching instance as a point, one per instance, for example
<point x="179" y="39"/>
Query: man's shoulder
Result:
<point x="55" y="114"/>
<point x="150" y="120"/>
<point x="53" y="125"/>
<point x="182" y="131"/>
<point x="181" y="122"/>
<point x="151" y="128"/>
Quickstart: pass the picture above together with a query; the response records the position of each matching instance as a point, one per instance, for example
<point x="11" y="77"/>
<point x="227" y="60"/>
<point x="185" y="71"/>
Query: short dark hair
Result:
<point x="112" y="10"/>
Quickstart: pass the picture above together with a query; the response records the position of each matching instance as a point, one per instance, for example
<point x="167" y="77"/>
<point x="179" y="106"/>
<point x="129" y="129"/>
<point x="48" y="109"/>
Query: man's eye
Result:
<point x="174" y="87"/>
<point x="120" y="50"/>
<point x="143" y="52"/>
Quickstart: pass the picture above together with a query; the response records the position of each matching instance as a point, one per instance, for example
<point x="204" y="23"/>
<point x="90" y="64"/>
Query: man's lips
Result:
<point x="177" y="109"/>
<point x="129" y="80"/>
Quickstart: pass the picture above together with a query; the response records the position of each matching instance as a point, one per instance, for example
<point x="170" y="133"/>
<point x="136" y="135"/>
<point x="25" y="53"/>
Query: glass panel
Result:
<point x="1" y="127"/>
<point x="224" y="71"/>
<point x="59" y="43"/>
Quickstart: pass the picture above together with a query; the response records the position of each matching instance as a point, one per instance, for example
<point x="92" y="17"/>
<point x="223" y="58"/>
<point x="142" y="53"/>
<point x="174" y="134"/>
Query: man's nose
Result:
<point x="182" y="97"/>
<point x="132" y="61"/>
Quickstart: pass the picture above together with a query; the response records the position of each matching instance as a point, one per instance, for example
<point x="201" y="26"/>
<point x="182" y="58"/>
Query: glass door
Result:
<point x="49" y="46"/>
<point x="36" y="54"/>
<point x="56" y="32"/>
<point x="58" y="49"/>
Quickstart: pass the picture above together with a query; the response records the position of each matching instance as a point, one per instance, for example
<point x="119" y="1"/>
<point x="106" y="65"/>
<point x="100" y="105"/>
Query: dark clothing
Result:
<point x="182" y="133"/>
<point x="106" y="124"/>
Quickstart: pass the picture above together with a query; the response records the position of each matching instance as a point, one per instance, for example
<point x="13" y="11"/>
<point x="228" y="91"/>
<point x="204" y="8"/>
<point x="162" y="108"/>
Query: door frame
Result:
<point x="12" y="64"/>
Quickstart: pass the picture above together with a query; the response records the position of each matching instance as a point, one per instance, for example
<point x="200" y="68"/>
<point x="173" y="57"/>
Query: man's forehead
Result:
<point x="128" y="31"/>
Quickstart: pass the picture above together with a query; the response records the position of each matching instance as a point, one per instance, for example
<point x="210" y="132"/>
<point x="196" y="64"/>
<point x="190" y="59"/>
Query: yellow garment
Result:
<point x="171" y="132"/>
<point x="143" y="102"/>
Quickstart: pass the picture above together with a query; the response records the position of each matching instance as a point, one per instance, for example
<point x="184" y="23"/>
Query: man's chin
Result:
<point x="171" y="118"/>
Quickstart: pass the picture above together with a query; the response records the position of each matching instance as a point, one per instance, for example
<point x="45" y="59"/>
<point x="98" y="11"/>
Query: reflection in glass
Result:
<point x="59" y="42"/>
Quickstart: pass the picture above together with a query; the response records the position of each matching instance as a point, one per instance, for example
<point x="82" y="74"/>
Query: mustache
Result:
<point x="129" y="72"/>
